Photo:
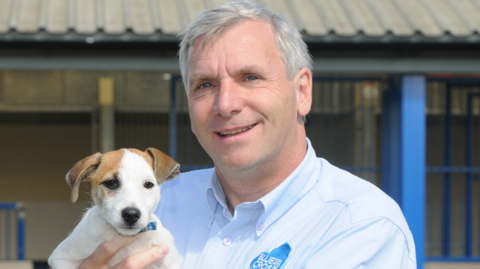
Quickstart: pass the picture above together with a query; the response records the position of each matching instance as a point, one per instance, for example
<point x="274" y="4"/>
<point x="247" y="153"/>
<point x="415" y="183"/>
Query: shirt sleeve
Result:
<point x="372" y="244"/>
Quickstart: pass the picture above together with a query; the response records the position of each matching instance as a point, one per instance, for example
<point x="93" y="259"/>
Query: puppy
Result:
<point x="126" y="190"/>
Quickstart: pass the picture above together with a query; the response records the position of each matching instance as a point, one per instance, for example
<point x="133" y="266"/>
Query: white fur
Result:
<point x="102" y="222"/>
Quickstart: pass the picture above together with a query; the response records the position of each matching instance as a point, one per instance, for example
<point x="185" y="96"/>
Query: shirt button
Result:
<point x="260" y="227"/>
<point x="227" y="241"/>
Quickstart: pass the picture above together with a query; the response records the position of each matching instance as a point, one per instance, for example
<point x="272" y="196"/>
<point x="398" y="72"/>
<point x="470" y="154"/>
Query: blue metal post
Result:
<point x="10" y="207"/>
<point x="391" y="141"/>
<point x="20" y="233"/>
<point x="403" y="152"/>
<point x="413" y="158"/>
<point x="7" y="234"/>
<point x="173" y="119"/>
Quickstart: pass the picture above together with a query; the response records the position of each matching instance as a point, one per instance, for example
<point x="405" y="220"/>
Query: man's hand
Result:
<point x="99" y="259"/>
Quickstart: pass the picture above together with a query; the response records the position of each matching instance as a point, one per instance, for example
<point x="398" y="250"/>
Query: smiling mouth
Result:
<point x="235" y="132"/>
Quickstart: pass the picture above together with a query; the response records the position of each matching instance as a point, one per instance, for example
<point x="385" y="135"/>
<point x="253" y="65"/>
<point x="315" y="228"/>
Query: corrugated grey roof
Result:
<point x="315" y="18"/>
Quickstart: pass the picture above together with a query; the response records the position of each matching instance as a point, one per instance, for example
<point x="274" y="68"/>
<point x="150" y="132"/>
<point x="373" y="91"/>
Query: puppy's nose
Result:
<point x="131" y="215"/>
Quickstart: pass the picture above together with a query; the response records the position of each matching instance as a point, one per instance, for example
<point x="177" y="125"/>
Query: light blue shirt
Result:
<point x="319" y="217"/>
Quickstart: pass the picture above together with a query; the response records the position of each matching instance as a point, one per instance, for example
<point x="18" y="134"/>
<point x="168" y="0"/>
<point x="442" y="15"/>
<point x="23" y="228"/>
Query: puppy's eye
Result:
<point x="111" y="184"/>
<point x="148" y="185"/>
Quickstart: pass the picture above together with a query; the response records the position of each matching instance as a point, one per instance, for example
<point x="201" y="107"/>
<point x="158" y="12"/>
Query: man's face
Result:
<point x="243" y="108"/>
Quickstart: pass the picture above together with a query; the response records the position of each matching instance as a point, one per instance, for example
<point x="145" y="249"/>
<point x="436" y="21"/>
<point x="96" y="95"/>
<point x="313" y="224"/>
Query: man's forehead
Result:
<point x="242" y="40"/>
<point x="243" y="33"/>
<point x="247" y="24"/>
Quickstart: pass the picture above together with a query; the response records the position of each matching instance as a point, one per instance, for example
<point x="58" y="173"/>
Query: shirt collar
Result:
<point x="215" y="195"/>
<point x="291" y="190"/>
<point x="279" y="200"/>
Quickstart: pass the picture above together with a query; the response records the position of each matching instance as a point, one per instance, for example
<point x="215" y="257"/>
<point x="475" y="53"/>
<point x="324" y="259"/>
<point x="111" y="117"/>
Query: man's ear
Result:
<point x="164" y="167"/>
<point x="303" y="82"/>
<point x="82" y="171"/>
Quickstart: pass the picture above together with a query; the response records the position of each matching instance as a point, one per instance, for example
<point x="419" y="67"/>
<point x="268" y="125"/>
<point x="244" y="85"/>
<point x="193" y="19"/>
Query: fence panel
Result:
<point x="344" y="123"/>
<point x="141" y="130"/>
<point x="12" y="231"/>
<point x="453" y="170"/>
<point x="189" y="151"/>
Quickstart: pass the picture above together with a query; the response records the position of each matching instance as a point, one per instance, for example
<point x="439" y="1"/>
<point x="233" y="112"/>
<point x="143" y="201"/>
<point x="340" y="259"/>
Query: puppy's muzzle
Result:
<point x="131" y="215"/>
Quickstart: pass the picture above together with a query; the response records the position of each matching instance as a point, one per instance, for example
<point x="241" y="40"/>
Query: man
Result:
<point x="269" y="202"/>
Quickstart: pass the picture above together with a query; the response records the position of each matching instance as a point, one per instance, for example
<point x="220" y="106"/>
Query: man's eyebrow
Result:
<point x="250" y="69"/>
<point x="196" y="77"/>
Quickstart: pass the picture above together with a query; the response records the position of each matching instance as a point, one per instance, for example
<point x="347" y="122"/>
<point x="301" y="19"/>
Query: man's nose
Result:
<point x="229" y="100"/>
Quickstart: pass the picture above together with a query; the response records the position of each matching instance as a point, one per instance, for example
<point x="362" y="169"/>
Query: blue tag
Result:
<point x="273" y="260"/>
<point x="151" y="226"/>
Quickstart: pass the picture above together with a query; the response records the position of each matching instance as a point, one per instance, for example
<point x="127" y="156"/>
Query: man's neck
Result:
<point x="249" y="185"/>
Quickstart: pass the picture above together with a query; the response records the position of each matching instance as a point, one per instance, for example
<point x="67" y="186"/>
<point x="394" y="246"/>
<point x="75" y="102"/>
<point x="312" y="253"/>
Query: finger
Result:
<point x="106" y="251"/>
<point x="143" y="259"/>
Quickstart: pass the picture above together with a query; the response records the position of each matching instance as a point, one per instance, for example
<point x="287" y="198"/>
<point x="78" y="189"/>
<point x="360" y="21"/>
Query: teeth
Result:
<point x="237" y="131"/>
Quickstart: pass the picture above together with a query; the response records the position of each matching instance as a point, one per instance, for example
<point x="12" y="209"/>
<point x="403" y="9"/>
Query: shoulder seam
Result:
<point x="404" y="236"/>
<point x="346" y="225"/>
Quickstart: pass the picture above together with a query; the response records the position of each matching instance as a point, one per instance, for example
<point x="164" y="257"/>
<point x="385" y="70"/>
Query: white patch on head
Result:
<point x="132" y="175"/>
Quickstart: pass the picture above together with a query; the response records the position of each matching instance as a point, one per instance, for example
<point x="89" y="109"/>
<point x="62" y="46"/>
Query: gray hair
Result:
<point x="212" y="23"/>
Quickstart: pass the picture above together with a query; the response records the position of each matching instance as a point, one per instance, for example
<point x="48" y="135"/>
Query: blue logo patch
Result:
<point x="273" y="260"/>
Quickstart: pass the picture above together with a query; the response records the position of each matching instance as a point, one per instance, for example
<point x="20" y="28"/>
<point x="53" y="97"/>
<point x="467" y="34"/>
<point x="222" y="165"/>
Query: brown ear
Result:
<point x="164" y="167"/>
<point x="81" y="171"/>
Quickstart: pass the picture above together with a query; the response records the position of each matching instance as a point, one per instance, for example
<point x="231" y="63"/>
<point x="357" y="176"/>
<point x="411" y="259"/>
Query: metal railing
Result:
<point x="344" y="123"/>
<point x="453" y="170"/>
<point x="12" y="231"/>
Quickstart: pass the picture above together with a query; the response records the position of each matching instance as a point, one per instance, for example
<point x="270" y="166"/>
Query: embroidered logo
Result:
<point x="273" y="260"/>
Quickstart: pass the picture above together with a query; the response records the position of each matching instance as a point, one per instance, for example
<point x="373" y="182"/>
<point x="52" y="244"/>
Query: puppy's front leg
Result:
<point x="82" y="242"/>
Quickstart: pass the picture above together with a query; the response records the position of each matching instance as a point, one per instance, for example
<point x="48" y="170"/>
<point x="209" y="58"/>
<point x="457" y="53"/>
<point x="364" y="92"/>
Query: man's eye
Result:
<point x="250" y="78"/>
<point x="205" y="85"/>
<point x="111" y="184"/>
<point x="148" y="185"/>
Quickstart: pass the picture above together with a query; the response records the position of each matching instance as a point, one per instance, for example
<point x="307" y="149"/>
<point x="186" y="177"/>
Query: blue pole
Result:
<point x="413" y="159"/>
<point x="391" y="141"/>
<point x="7" y="206"/>
<point x="7" y="234"/>
<point x="173" y="119"/>
<point x="21" y="233"/>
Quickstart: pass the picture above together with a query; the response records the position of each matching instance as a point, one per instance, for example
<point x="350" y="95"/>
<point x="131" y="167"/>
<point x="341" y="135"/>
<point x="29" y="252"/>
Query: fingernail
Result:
<point x="161" y="251"/>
